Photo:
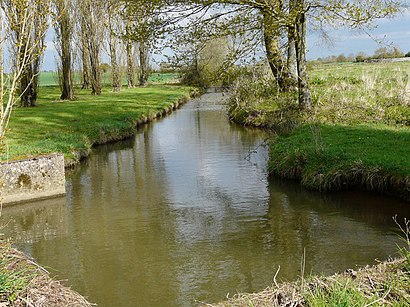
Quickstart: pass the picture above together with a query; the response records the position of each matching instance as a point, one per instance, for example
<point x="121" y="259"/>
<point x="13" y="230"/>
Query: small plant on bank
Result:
<point x="405" y="251"/>
<point x="13" y="280"/>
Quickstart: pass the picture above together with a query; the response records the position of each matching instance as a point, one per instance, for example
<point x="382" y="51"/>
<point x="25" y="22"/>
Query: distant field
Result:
<point x="50" y="78"/>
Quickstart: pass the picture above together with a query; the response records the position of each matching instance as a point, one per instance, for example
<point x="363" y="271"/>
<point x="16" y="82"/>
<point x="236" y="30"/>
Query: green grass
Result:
<point x="357" y="135"/>
<point x="49" y="78"/>
<point x="70" y="127"/>
<point x="14" y="278"/>
<point x="362" y="92"/>
<point x="326" y="157"/>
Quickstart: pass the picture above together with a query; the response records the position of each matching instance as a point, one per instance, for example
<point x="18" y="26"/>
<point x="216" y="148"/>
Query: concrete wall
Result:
<point x="32" y="179"/>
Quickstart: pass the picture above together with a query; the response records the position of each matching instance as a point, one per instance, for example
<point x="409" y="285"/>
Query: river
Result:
<point x="185" y="213"/>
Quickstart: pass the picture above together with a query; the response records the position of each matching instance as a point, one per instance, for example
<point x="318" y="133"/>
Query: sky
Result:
<point x="393" y="31"/>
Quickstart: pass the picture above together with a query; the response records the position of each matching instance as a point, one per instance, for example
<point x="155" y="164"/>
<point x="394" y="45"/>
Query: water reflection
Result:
<point x="37" y="221"/>
<point x="179" y="214"/>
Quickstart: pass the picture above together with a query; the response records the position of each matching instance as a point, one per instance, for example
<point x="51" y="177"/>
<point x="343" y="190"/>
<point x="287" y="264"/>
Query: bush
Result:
<point x="360" y="59"/>
<point x="257" y="101"/>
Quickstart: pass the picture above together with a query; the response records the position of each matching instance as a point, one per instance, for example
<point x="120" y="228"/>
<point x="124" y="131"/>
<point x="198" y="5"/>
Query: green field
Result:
<point x="50" y="78"/>
<point x="72" y="127"/>
<point x="357" y="135"/>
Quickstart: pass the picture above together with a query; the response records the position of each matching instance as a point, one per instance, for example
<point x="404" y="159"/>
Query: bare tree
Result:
<point x="92" y="33"/>
<point x="130" y="57"/>
<point x="14" y="32"/>
<point x="27" y="33"/>
<point x="63" y="41"/>
<point x="114" y="27"/>
<point x="85" y="55"/>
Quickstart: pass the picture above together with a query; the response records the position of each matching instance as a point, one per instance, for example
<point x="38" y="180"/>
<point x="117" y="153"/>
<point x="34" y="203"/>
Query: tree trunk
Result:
<point x="94" y="52"/>
<point x="113" y="42"/>
<point x="130" y="65"/>
<point x="291" y="48"/>
<point x="273" y="53"/>
<point x="28" y="80"/>
<point x="85" y="58"/>
<point x="115" y="70"/>
<point x="305" y="96"/>
<point x="66" y="79"/>
<point x="28" y="93"/>
<point x="144" y="64"/>
<point x="291" y="63"/>
<point x="92" y="15"/>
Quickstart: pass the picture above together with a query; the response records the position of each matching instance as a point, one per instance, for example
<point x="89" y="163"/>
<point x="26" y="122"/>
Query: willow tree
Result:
<point x="64" y="27"/>
<point x="27" y="31"/>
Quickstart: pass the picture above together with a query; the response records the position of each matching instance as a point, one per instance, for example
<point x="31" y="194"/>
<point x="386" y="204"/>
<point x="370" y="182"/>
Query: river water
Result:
<point x="184" y="213"/>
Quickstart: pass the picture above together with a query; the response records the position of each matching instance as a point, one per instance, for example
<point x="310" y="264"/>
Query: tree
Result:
<point x="144" y="67"/>
<point x="278" y="18"/>
<point x="85" y="55"/>
<point x="113" y="26"/>
<point x="14" y="30"/>
<point x="63" y="42"/>
<point x="92" y="34"/>
<point x="27" y="35"/>
<point x="129" y="51"/>
<point x="144" y="25"/>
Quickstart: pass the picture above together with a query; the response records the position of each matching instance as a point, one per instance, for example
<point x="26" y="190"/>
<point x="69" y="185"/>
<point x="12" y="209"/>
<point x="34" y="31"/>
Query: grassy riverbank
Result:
<point x="386" y="284"/>
<point x="357" y="136"/>
<point x="24" y="283"/>
<point x="72" y="128"/>
<point x="336" y="157"/>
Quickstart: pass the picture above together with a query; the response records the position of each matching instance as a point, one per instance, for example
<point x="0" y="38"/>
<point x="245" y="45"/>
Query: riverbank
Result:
<point x="72" y="128"/>
<point x="25" y="283"/>
<point x="385" y="284"/>
<point x="337" y="157"/>
<point x="357" y="136"/>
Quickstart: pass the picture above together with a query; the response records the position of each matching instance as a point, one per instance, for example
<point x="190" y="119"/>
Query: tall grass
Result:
<point x="357" y="93"/>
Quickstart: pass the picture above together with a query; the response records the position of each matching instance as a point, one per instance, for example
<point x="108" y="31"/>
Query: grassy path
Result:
<point x="72" y="128"/>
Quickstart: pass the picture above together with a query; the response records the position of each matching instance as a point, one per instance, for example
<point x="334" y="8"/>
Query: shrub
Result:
<point x="360" y="59"/>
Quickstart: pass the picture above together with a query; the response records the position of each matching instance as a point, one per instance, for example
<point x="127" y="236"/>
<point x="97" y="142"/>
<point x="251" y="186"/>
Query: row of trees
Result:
<point x="277" y="27"/>
<point x="380" y="53"/>
<point x="82" y="27"/>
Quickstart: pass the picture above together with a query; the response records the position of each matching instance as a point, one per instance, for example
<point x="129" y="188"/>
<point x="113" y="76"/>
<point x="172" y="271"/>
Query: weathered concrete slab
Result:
<point x="32" y="179"/>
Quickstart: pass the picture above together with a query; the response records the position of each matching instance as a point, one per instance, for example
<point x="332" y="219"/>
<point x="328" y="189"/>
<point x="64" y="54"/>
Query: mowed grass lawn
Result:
<point x="74" y="126"/>
<point x="49" y="78"/>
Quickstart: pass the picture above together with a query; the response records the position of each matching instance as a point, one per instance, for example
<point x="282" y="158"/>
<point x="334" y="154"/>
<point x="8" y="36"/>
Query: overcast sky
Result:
<point x="394" y="31"/>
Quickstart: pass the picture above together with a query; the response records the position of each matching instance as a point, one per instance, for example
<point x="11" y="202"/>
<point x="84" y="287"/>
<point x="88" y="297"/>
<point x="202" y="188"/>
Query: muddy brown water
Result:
<point x="184" y="213"/>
